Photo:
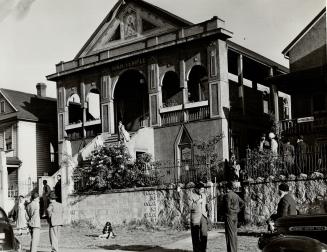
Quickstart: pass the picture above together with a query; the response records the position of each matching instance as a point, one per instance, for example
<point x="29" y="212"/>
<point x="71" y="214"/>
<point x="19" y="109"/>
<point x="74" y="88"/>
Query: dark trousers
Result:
<point x="199" y="233"/>
<point x="231" y="233"/>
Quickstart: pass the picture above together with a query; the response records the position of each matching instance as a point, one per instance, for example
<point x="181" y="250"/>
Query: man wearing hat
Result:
<point x="55" y="216"/>
<point x="199" y="218"/>
<point x="286" y="205"/>
<point x="232" y="204"/>
<point x="33" y="220"/>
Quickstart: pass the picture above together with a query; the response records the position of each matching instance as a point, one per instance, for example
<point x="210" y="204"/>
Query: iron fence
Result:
<point x="265" y="164"/>
<point x="156" y="173"/>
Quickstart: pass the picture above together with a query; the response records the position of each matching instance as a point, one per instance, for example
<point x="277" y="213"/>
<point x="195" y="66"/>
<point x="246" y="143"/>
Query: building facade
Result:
<point x="28" y="136"/>
<point x="170" y="82"/>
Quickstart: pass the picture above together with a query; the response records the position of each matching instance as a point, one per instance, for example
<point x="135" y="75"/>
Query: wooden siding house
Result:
<point x="28" y="135"/>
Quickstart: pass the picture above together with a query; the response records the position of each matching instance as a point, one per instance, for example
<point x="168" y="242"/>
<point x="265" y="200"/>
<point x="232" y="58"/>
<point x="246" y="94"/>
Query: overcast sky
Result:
<point x="37" y="34"/>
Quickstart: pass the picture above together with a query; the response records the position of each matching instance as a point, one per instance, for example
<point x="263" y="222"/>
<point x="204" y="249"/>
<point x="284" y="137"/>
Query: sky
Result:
<point x="37" y="34"/>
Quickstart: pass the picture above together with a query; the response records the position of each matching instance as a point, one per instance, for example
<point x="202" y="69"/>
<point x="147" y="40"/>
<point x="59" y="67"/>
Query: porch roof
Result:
<point x="305" y="80"/>
<point x="13" y="161"/>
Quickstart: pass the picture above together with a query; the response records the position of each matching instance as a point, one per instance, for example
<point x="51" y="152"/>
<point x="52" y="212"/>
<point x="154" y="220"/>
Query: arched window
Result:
<point x="93" y="105"/>
<point x="198" y="88"/>
<point x="52" y="153"/>
<point x="172" y="94"/>
<point x="75" y="111"/>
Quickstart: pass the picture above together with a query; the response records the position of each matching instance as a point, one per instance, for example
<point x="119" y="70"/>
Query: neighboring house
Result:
<point x="172" y="83"/>
<point x="28" y="135"/>
<point x="307" y="83"/>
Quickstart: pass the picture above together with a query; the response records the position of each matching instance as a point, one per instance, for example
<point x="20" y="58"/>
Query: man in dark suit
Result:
<point x="286" y="205"/>
<point x="301" y="152"/>
<point x="232" y="206"/>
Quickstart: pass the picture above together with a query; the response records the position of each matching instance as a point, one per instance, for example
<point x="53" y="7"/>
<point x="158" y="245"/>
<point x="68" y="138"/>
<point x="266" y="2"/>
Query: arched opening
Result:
<point x="131" y="100"/>
<point x="93" y="105"/>
<point x="75" y="111"/>
<point x="172" y="94"/>
<point x="198" y="88"/>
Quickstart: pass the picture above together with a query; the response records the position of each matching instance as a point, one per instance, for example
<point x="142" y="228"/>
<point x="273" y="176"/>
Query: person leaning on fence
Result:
<point x="199" y="218"/>
<point x="232" y="205"/>
<point x="286" y="206"/>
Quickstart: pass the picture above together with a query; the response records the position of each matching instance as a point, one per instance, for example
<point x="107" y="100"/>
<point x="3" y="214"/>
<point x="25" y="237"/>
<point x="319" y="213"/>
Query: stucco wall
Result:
<point x="26" y="134"/>
<point x="164" y="206"/>
<point x="165" y="137"/>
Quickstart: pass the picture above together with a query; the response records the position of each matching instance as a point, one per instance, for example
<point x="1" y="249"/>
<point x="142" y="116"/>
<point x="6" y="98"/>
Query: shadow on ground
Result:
<point x="146" y="248"/>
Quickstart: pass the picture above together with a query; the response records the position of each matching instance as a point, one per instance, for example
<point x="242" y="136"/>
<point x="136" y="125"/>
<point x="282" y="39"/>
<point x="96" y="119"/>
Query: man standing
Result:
<point x="33" y="222"/>
<point x="55" y="216"/>
<point x="57" y="188"/>
<point x="301" y="152"/>
<point x="199" y="219"/>
<point x="232" y="206"/>
<point x="45" y="196"/>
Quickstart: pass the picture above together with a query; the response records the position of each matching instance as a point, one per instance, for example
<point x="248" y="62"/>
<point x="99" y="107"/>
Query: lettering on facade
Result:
<point x="150" y="205"/>
<point x="129" y="64"/>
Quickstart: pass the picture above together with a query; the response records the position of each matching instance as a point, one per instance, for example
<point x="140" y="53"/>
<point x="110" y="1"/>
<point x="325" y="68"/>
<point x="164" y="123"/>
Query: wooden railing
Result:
<point x="187" y="113"/>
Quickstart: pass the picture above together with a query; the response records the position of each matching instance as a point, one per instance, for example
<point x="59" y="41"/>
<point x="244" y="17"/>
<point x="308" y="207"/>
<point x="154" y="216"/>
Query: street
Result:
<point x="75" y="239"/>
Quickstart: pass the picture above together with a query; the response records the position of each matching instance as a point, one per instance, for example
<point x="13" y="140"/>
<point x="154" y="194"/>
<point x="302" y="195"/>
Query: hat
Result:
<point x="52" y="195"/>
<point x="199" y="185"/>
<point x="283" y="187"/>
<point x="271" y="135"/>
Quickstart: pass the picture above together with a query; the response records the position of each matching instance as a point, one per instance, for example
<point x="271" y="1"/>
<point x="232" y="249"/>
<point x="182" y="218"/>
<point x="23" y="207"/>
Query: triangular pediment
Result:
<point x="128" y="21"/>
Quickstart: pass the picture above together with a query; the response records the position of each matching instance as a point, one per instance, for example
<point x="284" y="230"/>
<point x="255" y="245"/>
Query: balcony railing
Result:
<point x="190" y="112"/>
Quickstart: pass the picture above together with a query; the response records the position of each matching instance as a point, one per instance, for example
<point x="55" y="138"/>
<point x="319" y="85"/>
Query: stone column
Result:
<point x="84" y="105"/>
<point x="274" y="95"/>
<point x="155" y="101"/>
<point x="219" y="91"/>
<point x="67" y="183"/>
<point x="240" y="81"/>
<point x="3" y="181"/>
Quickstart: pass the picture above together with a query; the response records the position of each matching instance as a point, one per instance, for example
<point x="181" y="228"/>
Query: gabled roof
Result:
<point x="29" y="107"/>
<point x="303" y="32"/>
<point x="120" y="4"/>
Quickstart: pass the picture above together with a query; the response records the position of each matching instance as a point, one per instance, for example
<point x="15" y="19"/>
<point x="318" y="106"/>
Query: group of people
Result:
<point x="28" y="216"/>
<point x="232" y="205"/>
<point x="293" y="156"/>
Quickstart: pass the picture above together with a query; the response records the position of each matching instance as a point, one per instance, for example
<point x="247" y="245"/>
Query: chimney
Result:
<point x="41" y="89"/>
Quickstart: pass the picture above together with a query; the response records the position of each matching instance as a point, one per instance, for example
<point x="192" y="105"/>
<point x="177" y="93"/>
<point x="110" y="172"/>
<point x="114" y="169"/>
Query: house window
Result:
<point x="2" y="107"/>
<point x="52" y="153"/>
<point x="8" y="139"/>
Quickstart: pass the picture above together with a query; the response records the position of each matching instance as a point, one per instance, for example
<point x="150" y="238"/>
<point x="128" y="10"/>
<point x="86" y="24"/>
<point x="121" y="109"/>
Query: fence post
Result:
<point x="212" y="192"/>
